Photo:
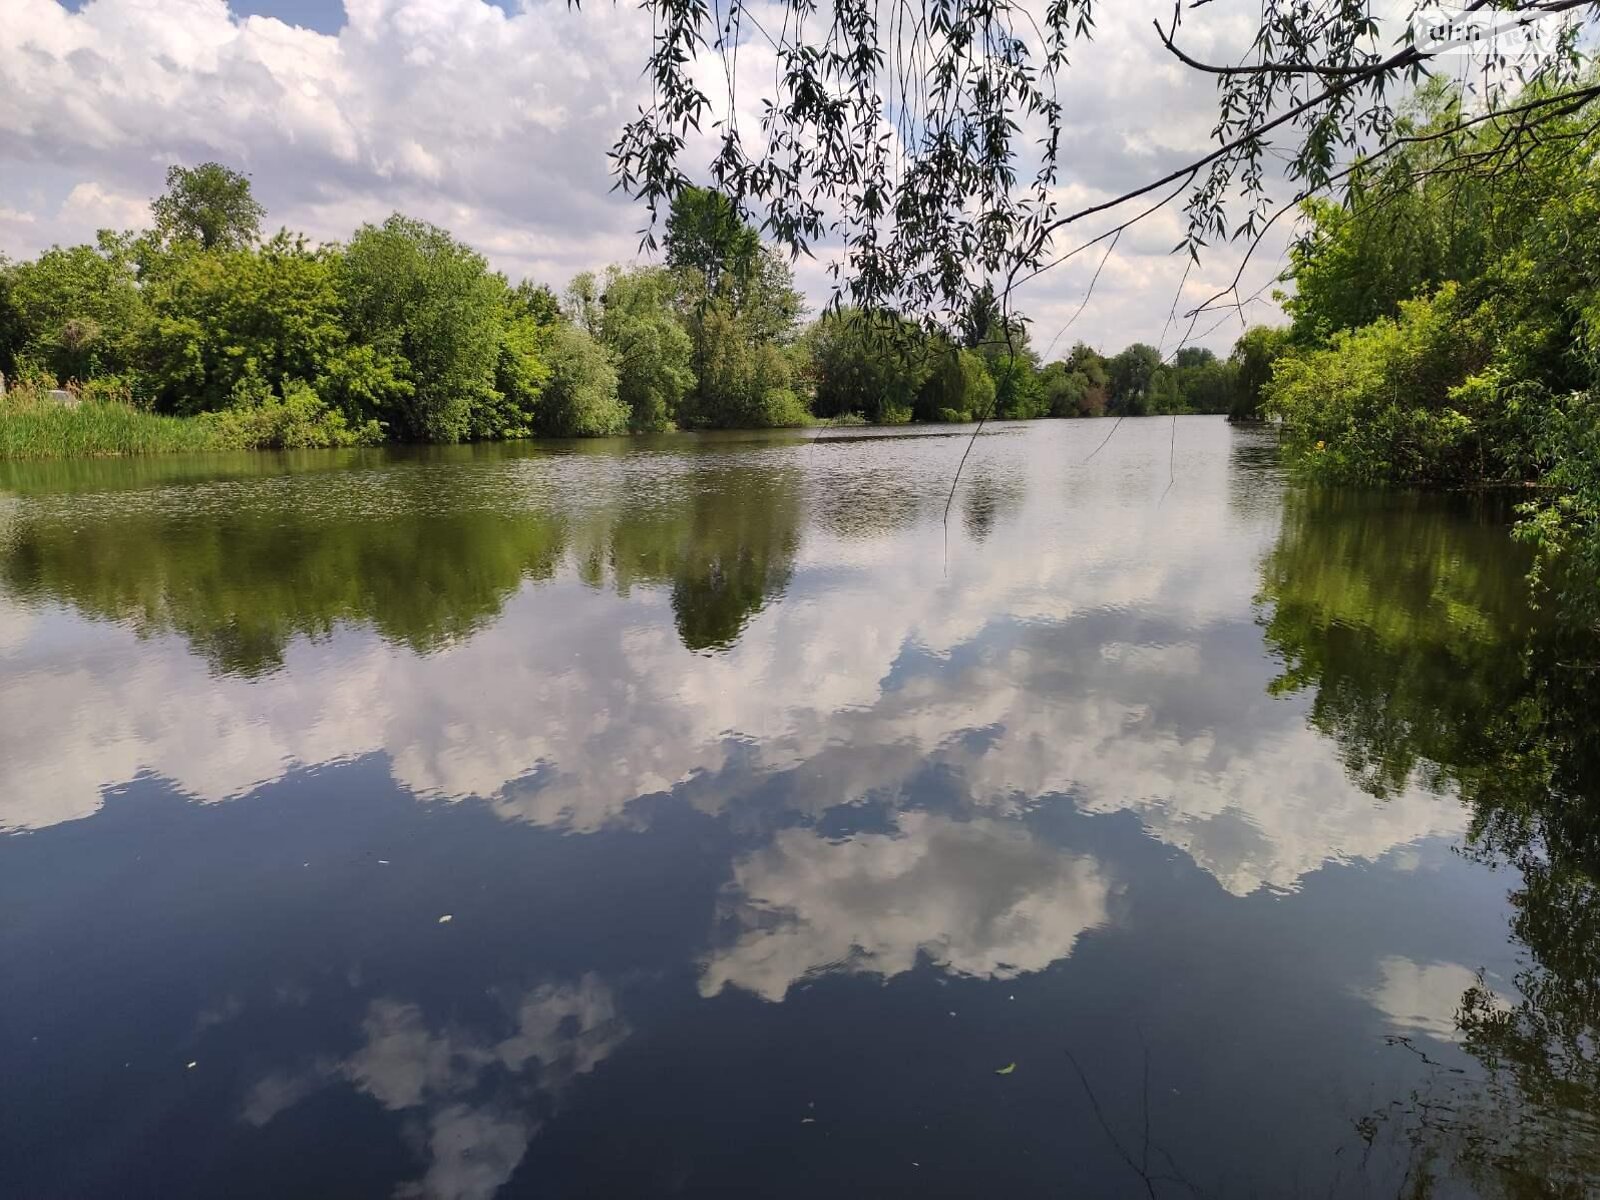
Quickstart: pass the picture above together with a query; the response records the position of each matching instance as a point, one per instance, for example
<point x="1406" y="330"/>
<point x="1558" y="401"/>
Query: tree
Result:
<point x="958" y="386"/>
<point x="707" y="236"/>
<point x="1464" y="381"/>
<point x="1199" y="382"/>
<point x="580" y="397"/>
<point x="522" y="368"/>
<point x="948" y="170"/>
<point x="633" y="314"/>
<point x="11" y="328"/>
<point x="1252" y="357"/>
<point x="744" y="382"/>
<point x="77" y="311"/>
<point x="1066" y="392"/>
<point x="210" y="206"/>
<point x="219" y="319"/>
<point x="1131" y="374"/>
<point x="870" y="365"/>
<point x="421" y="298"/>
<point x="741" y="310"/>
<point x="1017" y="394"/>
<point x="1190" y="357"/>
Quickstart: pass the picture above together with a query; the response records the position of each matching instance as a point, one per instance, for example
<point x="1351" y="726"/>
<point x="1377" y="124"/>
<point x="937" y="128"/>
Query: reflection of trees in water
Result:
<point x="869" y="505"/>
<point x="241" y="588"/>
<point x="1411" y="626"/>
<point x="1484" y="1130"/>
<point x="987" y="500"/>
<point x="725" y="542"/>
<point x="423" y="556"/>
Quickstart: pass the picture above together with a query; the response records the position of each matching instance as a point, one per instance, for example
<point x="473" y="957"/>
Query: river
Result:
<point x="720" y="815"/>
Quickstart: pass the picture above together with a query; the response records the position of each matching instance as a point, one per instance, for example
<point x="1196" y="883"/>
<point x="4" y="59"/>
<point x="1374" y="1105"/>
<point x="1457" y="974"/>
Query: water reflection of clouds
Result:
<point x="1101" y="645"/>
<point x="1421" y="997"/>
<point x="474" y="1103"/>
<point x="981" y="898"/>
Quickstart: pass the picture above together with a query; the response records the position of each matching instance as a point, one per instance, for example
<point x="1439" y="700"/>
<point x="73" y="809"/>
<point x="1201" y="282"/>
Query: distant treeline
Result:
<point x="403" y="333"/>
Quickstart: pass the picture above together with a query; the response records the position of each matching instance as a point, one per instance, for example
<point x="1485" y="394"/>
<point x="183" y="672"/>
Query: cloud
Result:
<point x="494" y="124"/>
<point x="980" y="898"/>
<point x="471" y="1133"/>
<point x="1421" y="997"/>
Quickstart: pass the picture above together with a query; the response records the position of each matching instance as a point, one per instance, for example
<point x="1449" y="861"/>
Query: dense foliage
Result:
<point x="404" y="333"/>
<point x="1446" y="324"/>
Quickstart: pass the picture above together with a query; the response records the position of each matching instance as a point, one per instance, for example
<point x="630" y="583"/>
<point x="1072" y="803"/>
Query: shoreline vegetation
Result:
<point x="1443" y="332"/>
<point x="1445" y="328"/>
<point x="201" y="334"/>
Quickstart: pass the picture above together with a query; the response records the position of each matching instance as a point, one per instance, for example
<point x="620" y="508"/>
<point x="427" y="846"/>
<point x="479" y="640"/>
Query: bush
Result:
<point x="299" y="421"/>
<point x="580" y="396"/>
<point x="1394" y="401"/>
<point x="781" y="408"/>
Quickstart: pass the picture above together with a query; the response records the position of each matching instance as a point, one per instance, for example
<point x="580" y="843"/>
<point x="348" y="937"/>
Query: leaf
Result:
<point x="1007" y="1069"/>
<point x="446" y="918"/>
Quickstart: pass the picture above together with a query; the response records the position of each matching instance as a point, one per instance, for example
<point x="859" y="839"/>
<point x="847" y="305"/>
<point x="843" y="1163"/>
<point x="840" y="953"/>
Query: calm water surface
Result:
<point x="710" y="816"/>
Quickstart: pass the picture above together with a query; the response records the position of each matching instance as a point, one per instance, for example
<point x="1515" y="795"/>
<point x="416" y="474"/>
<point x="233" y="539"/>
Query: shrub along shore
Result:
<point x="202" y="334"/>
<point x="1445" y="326"/>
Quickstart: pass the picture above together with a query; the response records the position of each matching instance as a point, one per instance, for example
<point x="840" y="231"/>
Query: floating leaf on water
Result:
<point x="446" y="918"/>
<point x="191" y="1066"/>
<point x="1007" y="1069"/>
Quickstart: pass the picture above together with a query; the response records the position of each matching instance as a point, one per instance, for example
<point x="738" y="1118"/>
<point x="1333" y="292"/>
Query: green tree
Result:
<point x="1066" y="392"/>
<point x="958" y="386"/>
<point x="11" y="329"/>
<point x="744" y="381"/>
<point x="1018" y="395"/>
<point x="634" y="314"/>
<point x="223" y="321"/>
<point x="522" y="366"/>
<point x="1200" y="382"/>
<point x="580" y="395"/>
<point x="741" y="311"/>
<point x="78" y="310"/>
<point x="210" y="206"/>
<point x="1130" y="376"/>
<point x="707" y="238"/>
<point x="1252" y="358"/>
<point x="873" y="366"/>
<point x="419" y="297"/>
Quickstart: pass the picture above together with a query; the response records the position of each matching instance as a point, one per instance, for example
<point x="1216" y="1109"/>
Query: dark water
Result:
<point x="1148" y="828"/>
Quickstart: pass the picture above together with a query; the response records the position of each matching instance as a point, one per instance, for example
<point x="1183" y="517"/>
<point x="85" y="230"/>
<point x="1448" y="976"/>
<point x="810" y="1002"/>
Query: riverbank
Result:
<point x="35" y="426"/>
<point x="40" y="428"/>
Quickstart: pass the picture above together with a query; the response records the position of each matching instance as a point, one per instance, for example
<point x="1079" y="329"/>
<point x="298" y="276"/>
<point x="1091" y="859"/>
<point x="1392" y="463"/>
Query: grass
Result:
<point x="34" y="427"/>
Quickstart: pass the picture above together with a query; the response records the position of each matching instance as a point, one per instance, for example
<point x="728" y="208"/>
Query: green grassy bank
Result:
<point x="32" y="426"/>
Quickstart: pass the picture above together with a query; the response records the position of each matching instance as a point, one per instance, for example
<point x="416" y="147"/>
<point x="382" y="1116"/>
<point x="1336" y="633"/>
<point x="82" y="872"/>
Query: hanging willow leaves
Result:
<point x="924" y="138"/>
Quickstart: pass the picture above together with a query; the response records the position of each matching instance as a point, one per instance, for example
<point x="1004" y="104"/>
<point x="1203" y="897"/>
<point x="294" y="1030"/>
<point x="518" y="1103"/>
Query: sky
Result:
<point x="493" y="120"/>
